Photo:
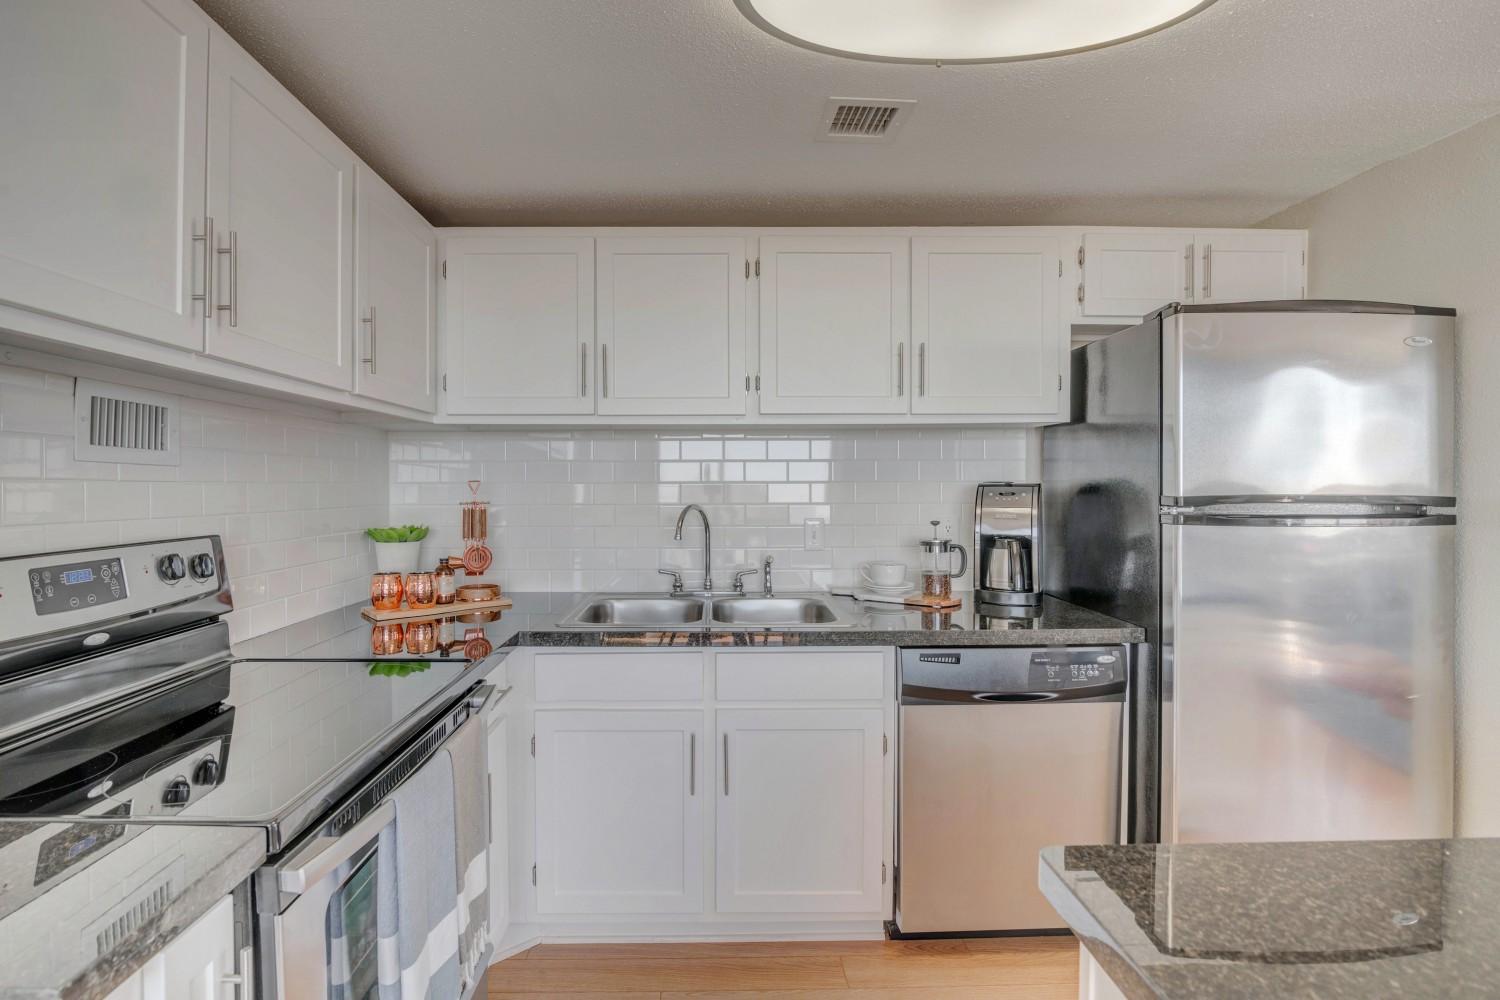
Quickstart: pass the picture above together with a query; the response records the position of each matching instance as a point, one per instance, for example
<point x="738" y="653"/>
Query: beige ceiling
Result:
<point x="680" y="112"/>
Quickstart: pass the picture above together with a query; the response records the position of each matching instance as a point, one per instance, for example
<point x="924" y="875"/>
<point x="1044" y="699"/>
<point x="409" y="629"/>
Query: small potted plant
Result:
<point x="397" y="549"/>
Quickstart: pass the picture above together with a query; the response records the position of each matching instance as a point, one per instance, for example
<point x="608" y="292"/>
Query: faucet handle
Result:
<point x="765" y="581"/>
<point x="676" y="579"/>
<point x="739" y="579"/>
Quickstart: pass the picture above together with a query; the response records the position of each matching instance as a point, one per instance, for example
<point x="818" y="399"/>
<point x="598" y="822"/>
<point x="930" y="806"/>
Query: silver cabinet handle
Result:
<point x="207" y="239"/>
<point x="1187" y="289"/>
<point x="726" y="763"/>
<point x="692" y="764"/>
<point x="921" y="369"/>
<point x="583" y="369"/>
<point x="233" y="251"/>
<point x="1208" y="272"/>
<point x="243" y="979"/>
<point x="604" y="370"/>
<point x="900" y="369"/>
<point x="369" y="359"/>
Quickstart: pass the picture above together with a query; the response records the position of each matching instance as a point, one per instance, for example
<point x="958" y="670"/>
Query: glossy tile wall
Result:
<point x="595" y="510"/>
<point x="290" y="494"/>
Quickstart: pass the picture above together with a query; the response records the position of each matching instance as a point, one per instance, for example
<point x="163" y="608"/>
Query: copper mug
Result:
<point x="421" y="637"/>
<point x="385" y="591"/>
<point x="386" y="638"/>
<point x="421" y="591"/>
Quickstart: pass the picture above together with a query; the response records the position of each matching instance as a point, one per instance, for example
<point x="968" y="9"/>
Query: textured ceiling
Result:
<point x="680" y="112"/>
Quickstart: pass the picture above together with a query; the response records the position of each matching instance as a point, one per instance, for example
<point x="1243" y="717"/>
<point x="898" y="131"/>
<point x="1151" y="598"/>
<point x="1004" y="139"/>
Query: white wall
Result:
<point x="1426" y="229"/>
<point x="595" y="510"/>
<point x="290" y="494"/>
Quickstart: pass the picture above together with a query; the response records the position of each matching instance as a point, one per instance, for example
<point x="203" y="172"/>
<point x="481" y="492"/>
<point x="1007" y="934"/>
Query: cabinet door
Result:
<point x="101" y="165"/>
<point x="671" y="325"/>
<point x="985" y="325"/>
<point x="518" y="321"/>
<point x="395" y="259"/>
<point x="193" y="965"/>
<point x="619" y="814"/>
<point x="499" y="781"/>
<point x="281" y="193"/>
<point x="835" y="321"/>
<point x="1132" y="274"/>
<point x="1249" y="266"/>
<point x="800" y="806"/>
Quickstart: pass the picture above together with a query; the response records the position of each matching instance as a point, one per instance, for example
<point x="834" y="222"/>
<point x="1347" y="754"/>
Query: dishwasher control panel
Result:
<point x="1013" y="674"/>
<point x="1053" y="669"/>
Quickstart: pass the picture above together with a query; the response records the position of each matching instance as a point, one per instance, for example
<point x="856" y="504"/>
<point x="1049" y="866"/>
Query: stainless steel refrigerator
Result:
<point x="1268" y="489"/>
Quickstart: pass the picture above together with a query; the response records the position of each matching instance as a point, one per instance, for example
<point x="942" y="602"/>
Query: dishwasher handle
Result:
<point x="916" y="694"/>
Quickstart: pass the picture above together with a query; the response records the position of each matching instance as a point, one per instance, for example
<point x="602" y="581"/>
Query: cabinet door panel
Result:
<point x="672" y="326"/>
<point x="985" y="323"/>
<point x="194" y="964"/>
<point x="1249" y="267"/>
<point x="619" y="818"/>
<point x="800" y="810"/>
<point x="396" y="318"/>
<point x="834" y="324"/>
<point x="519" y="325"/>
<point x="103" y="162"/>
<point x="281" y="191"/>
<point x="1132" y="274"/>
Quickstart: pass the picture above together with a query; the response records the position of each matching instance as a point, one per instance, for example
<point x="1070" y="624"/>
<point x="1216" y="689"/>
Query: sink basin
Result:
<point x="773" y="611"/>
<point x="639" y="611"/>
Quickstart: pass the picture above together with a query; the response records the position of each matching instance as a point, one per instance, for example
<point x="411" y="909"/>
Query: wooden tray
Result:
<point x="436" y="611"/>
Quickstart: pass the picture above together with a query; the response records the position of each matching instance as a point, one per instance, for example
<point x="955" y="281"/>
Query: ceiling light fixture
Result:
<point x="962" y="31"/>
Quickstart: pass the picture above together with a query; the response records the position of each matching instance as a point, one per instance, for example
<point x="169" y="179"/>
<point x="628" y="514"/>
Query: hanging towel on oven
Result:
<point x="416" y="911"/>
<point x="472" y="825"/>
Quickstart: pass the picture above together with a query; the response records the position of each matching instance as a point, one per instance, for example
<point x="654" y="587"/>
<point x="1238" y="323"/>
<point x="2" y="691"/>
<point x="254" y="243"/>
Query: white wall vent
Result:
<point x="857" y="119"/>
<point x="116" y="423"/>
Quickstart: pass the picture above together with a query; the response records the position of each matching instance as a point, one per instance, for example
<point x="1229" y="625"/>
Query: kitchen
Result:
<point x="642" y="343"/>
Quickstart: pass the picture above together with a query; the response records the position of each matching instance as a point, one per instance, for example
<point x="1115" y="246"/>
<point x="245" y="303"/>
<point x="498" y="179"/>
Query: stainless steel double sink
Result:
<point x="708" y="611"/>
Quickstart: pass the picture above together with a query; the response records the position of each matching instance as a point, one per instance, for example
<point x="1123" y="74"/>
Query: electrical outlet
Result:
<point x="814" y="531"/>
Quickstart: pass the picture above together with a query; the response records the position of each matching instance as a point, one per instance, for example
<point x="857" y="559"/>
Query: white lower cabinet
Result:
<point x="198" y="964"/>
<point x="497" y="755"/>
<point x="619" y="812"/>
<point x="800" y="810"/>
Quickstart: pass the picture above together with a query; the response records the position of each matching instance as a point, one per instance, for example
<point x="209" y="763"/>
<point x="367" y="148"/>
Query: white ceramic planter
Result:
<point x="397" y="557"/>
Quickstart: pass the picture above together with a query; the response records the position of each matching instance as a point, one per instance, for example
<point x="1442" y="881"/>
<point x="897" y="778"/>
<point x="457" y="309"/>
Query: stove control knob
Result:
<point x="171" y="568"/>
<point x="177" y="792"/>
<point x="207" y="772"/>
<point x="201" y="566"/>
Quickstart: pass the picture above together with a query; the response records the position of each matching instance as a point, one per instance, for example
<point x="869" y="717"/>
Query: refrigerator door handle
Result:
<point x="1308" y="520"/>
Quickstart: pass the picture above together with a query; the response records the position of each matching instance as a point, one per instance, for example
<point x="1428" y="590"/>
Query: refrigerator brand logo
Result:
<point x="1418" y="341"/>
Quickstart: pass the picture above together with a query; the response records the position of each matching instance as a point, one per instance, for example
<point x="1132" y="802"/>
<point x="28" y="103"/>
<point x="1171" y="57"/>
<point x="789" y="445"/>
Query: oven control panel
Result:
<point x="68" y="590"/>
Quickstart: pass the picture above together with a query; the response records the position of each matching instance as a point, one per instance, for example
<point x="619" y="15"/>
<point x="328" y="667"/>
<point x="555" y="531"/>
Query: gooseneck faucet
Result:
<point x="708" y="580"/>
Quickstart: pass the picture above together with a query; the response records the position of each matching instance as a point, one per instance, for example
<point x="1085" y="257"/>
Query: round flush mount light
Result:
<point x="962" y="31"/>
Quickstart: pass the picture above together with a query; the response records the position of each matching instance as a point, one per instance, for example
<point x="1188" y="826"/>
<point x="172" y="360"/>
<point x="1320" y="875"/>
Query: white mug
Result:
<point x="883" y="574"/>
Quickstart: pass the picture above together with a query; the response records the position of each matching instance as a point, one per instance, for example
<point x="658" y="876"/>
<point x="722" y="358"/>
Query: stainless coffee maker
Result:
<point x="1008" y="543"/>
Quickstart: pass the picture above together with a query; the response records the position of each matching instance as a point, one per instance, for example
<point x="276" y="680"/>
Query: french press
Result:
<point x="937" y="564"/>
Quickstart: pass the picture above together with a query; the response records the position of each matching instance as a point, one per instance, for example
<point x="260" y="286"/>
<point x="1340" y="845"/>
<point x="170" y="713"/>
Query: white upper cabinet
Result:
<point x="395" y="257"/>
<point x="985" y="327"/>
<point x="519" y="325"/>
<point x="671" y="325"/>
<point x="102" y="163"/>
<point x="801" y="805"/>
<point x="1248" y="266"/>
<point x="619" y="811"/>
<point x="835" y="321"/>
<point x="1132" y="274"/>
<point x="281" y="194"/>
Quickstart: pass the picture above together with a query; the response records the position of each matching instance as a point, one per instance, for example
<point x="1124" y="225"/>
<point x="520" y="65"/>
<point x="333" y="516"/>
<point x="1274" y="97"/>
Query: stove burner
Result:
<point x="39" y="778"/>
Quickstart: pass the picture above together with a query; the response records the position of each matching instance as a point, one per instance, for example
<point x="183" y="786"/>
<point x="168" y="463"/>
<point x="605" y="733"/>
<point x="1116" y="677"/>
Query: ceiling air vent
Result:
<point x="854" y="119"/>
<point x="116" y="423"/>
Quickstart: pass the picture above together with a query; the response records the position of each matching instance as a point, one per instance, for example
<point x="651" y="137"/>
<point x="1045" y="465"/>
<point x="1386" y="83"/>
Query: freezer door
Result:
<point x="1307" y="679"/>
<point x="1265" y="405"/>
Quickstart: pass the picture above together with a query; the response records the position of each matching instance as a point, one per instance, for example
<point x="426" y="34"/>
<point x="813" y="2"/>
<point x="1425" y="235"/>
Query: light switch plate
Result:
<point x="814" y="534"/>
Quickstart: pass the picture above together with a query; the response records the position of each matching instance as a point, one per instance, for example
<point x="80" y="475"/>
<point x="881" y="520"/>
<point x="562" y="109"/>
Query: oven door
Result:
<point x="316" y="904"/>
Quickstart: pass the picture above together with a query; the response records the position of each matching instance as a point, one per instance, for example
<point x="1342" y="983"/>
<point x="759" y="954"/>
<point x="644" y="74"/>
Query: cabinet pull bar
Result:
<point x="207" y="239"/>
<point x="369" y="359"/>
<point x="1187" y="290"/>
<point x="921" y="369"/>
<point x="233" y="252"/>
<point x="900" y="369"/>
<point x="604" y="370"/>
<point x="583" y="369"/>
<point x="1208" y="272"/>
<point x="692" y="763"/>
<point x="726" y="763"/>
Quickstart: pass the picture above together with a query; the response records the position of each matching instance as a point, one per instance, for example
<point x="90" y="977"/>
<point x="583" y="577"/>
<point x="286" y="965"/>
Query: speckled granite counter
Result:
<point x="92" y="929"/>
<point x="1411" y="919"/>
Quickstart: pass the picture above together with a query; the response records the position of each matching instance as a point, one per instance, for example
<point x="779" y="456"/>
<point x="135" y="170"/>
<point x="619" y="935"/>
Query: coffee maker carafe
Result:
<point x="1007" y="543"/>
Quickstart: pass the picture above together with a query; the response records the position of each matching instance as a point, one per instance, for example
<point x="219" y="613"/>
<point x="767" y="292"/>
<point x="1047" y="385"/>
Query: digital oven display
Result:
<point x="76" y="586"/>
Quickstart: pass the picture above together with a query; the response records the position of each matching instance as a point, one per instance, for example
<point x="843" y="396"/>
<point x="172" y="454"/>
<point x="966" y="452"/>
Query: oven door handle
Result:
<point x="314" y="862"/>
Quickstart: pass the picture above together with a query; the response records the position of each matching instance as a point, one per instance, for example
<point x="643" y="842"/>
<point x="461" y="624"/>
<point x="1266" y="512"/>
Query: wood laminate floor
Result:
<point x="1038" y="968"/>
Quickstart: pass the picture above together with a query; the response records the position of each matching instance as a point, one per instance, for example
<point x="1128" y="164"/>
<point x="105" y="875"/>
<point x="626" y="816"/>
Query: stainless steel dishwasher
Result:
<point x="1003" y="751"/>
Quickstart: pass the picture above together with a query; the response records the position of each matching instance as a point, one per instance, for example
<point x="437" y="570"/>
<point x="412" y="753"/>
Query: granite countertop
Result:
<point x="1410" y="918"/>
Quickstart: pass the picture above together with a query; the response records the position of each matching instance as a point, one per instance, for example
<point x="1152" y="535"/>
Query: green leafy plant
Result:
<point x="398" y="668"/>
<point x="401" y="533"/>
